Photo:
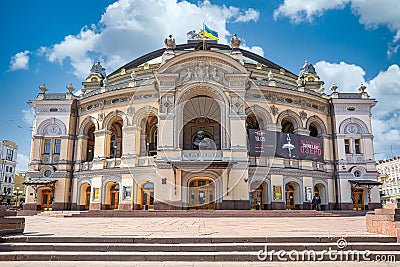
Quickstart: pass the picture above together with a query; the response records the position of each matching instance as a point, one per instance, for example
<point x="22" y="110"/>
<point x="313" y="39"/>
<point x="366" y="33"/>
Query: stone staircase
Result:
<point x="209" y="249"/>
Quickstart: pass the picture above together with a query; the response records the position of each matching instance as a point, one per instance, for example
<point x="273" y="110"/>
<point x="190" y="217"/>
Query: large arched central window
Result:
<point x="201" y="117"/>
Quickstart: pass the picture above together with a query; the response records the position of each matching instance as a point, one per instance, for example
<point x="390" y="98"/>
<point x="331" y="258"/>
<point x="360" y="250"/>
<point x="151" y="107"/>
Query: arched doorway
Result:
<point x="202" y="193"/>
<point x="290" y="192"/>
<point x="147" y="196"/>
<point x="320" y="191"/>
<point x="112" y="196"/>
<point x="256" y="197"/>
<point x="46" y="202"/>
<point x="85" y="196"/>
<point x="358" y="198"/>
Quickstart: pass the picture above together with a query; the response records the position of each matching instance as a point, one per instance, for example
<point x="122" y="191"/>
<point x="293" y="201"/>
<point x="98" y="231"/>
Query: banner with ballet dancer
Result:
<point x="285" y="145"/>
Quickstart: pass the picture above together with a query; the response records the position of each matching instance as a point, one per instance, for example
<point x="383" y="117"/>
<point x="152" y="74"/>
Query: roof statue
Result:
<point x="362" y="88"/>
<point x="70" y="88"/>
<point x="97" y="68"/>
<point x="192" y="35"/>
<point x="235" y="41"/>
<point x="169" y="42"/>
<point x="333" y="87"/>
<point x="307" y="69"/>
<point x="43" y="88"/>
<point x="270" y="76"/>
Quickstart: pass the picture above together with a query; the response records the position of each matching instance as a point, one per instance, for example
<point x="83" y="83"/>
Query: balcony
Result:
<point x="146" y="161"/>
<point x="112" y="163"/>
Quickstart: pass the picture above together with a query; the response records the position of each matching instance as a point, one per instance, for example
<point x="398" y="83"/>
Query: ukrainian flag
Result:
<point x="210" y="33"/>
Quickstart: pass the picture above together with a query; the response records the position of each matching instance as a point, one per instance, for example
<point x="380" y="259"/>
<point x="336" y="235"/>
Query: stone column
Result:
<point x="101" y="145"/>
<point x="129" y="145"/>
<point x="81" y="148"/>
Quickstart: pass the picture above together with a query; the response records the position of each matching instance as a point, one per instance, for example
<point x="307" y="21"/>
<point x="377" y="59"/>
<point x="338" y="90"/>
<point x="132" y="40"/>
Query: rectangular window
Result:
<point x="357" y="146"/>
<point x="47" y="146"/>
<point x="10" y="154"/>
<point x="347" y="146"/>
<point x="57" y="146"/>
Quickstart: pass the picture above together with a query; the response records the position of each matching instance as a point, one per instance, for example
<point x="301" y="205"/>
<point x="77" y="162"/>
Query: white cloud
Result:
<point x="249" y="15"/>
<point x="28" y="116"/>
<point x="300" y="10"/>
<point x="372" y="13"/>
<point x="76" y="48"/>
<point x="22" y="162"/>
<point x="20" y="61"/>
<point x="347" y="76"/>
<point x="385" y="88"/>
<point x="125" y="31"/>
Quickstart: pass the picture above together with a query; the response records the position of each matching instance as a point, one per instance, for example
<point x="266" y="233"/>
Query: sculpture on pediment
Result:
<point x="235" y="41"/>
<point x="192" y="35"/>
<point x="169" y="42"/>
<point x="307" y="69"/>
<point x="70" y="88"/>
<point x="215" y="76"/>
<point x="188" y="76"/>
<point x="97" y="68"/>
<point x="202" y="71"/>
<point x="43" y="88"/>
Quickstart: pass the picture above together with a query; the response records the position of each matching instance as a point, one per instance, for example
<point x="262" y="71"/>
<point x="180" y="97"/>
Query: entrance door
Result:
<point x="114" y="197"/>
<point x="202" y="194"/>
<point x="87" y="197"/>
<point x="358" y="199"/>
<point x="290" y="197"/>
<point x="256" y="198"/>
<point x="148" y="196"/>
<point x="46" y="199"/>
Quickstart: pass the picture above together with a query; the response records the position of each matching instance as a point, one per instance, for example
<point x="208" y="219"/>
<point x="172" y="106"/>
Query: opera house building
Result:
<point x="202" y="125"/>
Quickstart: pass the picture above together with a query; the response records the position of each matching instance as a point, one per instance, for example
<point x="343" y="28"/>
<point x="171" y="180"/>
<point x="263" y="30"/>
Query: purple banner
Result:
<point x="285" y="145"/>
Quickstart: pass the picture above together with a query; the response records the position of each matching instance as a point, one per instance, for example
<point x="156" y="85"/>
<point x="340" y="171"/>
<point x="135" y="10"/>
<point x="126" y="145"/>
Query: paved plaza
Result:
<point x="195" y="227"/>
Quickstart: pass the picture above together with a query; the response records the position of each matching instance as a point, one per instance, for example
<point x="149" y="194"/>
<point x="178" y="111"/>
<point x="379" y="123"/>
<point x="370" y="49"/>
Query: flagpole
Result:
<point x="204" y="37"/>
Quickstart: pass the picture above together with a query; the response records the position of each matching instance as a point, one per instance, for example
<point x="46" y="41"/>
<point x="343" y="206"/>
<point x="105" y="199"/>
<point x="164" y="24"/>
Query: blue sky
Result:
<point x="55" y="42"/>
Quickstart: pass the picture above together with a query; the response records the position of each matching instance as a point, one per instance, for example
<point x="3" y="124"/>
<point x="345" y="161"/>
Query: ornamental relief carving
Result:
<point x="166" y="104"/>
<point x="202" y="71"/>
<point x="290" y="100"/>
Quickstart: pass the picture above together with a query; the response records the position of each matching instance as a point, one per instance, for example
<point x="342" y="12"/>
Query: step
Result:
<point x="194" y="247"/>
<point x="189" y="256"/>
<point x="189" y="240"/>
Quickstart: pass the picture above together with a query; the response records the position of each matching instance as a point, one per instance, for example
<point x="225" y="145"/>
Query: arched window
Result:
<point x="90" y="144"/>
<point x="115" y="141"/>
<point x="113" y="146"/>
<point x="313" y="130"/>
<point x="287" y="126"/>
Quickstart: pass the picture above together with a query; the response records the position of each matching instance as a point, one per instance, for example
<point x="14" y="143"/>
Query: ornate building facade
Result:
<point x="389" y="171"/>
<point x="8" y="162"/>
<point x="201" y="125"/>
